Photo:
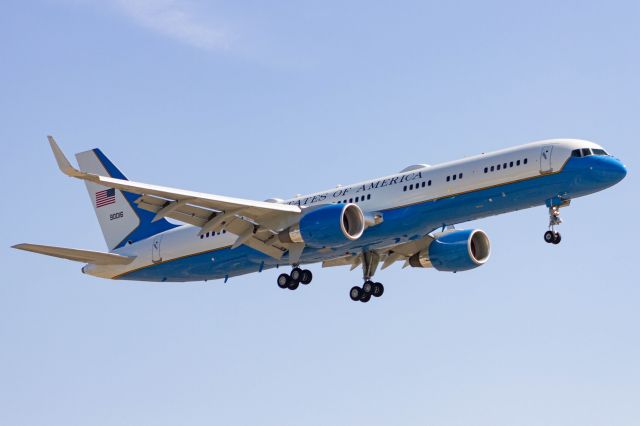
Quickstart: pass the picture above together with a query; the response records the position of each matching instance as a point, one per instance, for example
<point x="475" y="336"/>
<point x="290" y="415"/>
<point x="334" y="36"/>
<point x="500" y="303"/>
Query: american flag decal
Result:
<point x="105" y="197"/>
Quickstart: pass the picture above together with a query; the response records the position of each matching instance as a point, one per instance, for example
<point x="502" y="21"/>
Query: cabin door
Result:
<point x="545" y="159"/>
<point x="155" y="250"/>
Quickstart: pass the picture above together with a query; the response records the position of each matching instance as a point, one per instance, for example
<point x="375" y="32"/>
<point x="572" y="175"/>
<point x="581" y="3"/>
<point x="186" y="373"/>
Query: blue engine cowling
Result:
<point x="455" y="251"/>
<point x="331" y="225"/>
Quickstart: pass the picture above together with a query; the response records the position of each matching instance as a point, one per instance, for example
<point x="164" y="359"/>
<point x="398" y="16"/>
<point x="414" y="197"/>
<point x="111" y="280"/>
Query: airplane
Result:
<point x="162" y="234"/>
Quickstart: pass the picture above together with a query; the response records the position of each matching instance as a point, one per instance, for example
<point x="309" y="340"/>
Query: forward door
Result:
<point x="545" y="159"/>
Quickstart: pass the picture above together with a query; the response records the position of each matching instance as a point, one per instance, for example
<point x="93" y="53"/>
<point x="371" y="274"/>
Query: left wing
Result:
<point x="255" y="222"/>
<point x="387" y="255"/>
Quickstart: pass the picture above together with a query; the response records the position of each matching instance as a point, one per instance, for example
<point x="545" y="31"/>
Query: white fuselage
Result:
<point x="415" y="185"/>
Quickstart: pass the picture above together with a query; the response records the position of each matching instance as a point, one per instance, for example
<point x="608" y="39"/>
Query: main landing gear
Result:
<point x="364" y="293"/>
<point x="293" y="280"/>
<point x="551" y="236"/>
<point x="369" y="289"/>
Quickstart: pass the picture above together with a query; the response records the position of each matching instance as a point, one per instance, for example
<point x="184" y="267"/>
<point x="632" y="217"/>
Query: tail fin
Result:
<point x="121" y="220"/>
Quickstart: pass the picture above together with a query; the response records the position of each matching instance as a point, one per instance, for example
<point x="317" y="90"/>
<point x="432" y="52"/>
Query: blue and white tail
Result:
<point x="121" y="220"/>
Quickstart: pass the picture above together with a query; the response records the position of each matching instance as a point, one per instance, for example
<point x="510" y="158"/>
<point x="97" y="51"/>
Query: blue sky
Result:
<point x="268" y="100"/>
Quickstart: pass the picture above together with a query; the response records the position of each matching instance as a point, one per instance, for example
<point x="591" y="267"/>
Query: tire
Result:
<point x="549" y="237"/>
<point x="296" y="274"/>
<point x="283" y="280"/>
<point x="293" y="284"/>
<point x="557" y="238"/>
<point x="365" y="297"/>
<point x="367" y="287"/>
<point x="355" y="293"/>
<point x="378" y="290"/>
<point x="306" y="276"/>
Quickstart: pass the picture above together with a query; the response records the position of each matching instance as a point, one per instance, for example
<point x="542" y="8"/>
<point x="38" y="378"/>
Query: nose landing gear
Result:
<point x="552" y="236"/>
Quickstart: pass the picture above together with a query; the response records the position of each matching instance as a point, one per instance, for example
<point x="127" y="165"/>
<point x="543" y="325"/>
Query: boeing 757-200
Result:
<point x="404" y="217"/>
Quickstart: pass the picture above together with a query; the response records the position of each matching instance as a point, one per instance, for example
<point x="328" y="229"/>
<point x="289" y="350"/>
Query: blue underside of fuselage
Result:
<point x="579" y="177"/>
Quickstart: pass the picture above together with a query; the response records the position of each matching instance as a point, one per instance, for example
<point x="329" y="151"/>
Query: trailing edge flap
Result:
<point x="86" y="256"/>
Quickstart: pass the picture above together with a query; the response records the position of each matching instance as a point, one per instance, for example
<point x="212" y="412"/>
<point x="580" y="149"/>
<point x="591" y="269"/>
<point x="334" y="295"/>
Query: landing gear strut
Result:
<point x="292" y="281"/>
<point x="370" y="262"/>
<point x="551" y="236"/>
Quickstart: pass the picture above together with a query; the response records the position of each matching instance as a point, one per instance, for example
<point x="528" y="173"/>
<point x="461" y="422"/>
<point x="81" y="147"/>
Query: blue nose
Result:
<point x="607" y="170"/>
<point x="614" y="170"/>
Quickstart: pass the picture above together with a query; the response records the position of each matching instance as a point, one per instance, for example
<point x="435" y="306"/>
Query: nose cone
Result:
<point x="613" y="170"/>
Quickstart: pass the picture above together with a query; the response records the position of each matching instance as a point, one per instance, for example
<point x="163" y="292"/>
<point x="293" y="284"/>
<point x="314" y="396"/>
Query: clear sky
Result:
<point x="269" y="99"/>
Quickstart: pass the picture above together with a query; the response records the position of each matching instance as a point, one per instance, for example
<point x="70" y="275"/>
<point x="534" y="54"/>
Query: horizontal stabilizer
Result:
<point x="86" y="256"/>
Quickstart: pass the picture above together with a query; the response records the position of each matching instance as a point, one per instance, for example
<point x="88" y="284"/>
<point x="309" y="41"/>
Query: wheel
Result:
<point x="365" y="297"/>
<point x="296" y="274"/>
<point x="283" y="280"/>
<point x="293" y="284"/>
<point x="367" y="287"/>
<point x="356" y="293"/>
<point x="557" y="238"/>
<point x="306" y="276"/>
<point x="549" y="236"/>
<point x="378" y="289"/>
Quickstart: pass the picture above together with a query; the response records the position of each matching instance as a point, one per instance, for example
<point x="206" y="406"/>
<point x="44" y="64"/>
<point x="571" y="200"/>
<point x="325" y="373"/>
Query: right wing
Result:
<point x="255" y="222"/>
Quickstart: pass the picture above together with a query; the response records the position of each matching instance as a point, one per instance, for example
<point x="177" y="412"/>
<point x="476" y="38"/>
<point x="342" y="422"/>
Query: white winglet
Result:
<point x="63" y="164"/>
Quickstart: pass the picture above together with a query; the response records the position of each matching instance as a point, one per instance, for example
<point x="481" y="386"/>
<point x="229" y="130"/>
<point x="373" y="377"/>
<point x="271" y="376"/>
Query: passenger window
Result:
<point x="429" y="183"/>
<point x="504" y="166"/>
<point x="357" y="199"/>
<point x="525" y="161"/>
<point x="492" y="168"/>
<point x="454" y="177"/>
<point x="486" y="169"/>
<point x="207" y="235"/>
<point x="423" y="184"/>
<point x="460" y="176"/>
<point x="448" y="178"/>
<point x="498" y="166"/>
<point x="405" y="188"/>
<point x="201" y="236"/>
<point x="411" y="187"/>
<point x="351" y="200"/>
<point x="368" y="196"/>
<point x="511" y="164"/>
<point x="224" y="231"/>
<point x="518" y="163"/>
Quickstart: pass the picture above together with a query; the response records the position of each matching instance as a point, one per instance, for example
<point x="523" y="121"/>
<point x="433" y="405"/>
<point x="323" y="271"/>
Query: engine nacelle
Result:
<point x="455" y="251"/>
<point x="332" y="225"/>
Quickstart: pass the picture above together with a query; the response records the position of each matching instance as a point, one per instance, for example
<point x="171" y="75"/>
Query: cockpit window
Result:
<point x="584" y="152"/>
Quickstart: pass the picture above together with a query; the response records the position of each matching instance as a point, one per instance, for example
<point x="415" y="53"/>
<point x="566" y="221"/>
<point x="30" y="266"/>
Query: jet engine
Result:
<point x="331" y="225"/>
<point x="454" y="251"/>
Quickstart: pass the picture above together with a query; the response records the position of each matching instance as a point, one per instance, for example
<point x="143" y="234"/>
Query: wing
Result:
<point x="387" y="255"/>
<point x="256" y="223"/>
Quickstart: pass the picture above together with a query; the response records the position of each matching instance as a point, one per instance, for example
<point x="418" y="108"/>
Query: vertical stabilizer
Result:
<point x="121" y="220"/>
